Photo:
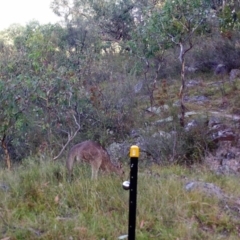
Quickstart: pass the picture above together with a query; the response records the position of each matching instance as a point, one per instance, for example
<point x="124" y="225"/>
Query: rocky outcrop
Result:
<point x="234" y="74"/>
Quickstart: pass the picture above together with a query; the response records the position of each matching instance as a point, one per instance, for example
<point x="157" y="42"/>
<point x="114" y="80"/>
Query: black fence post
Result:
<point x="134" y="155"/>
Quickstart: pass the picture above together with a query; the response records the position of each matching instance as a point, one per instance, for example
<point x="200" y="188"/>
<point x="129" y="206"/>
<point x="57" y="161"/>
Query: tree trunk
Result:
<point x="182" y="88"/>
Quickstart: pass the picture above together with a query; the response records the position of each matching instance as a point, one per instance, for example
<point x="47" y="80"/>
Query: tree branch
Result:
<point x="70" y="138"/>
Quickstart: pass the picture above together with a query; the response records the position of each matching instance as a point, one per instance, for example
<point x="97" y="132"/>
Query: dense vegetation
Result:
<point x="99" y="74"/>
<point x="95" y="72"/>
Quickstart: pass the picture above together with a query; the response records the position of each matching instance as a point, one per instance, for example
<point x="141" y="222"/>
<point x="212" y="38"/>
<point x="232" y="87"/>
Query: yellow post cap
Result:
<point x="134" y="151"/>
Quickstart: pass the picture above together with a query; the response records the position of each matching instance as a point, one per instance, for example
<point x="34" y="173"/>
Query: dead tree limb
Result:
<point x="70" y="138"/>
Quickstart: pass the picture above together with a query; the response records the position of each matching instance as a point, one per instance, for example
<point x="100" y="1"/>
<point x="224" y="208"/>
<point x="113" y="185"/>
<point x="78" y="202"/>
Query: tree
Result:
<point x="148" y="44"/>
<point x="13" y="115"/>
<point x="229" y="18"/>
<point x="180" y="21"/>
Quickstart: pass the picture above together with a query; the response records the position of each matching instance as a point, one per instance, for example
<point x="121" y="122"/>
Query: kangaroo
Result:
<point x="94" y="154"/>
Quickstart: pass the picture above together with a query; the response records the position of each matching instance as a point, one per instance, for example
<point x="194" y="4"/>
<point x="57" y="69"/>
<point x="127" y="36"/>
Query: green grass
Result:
<point x="41" y="204"/>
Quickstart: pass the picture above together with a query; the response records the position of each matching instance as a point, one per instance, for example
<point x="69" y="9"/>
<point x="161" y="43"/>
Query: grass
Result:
<point x="39" y="203"/>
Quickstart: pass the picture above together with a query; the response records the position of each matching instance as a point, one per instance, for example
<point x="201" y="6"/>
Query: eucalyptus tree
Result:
<point x="31" y="49"/>
<point x="228" y="14"/>
<point x="113" y="19"/>
<point x="78" y="40"/>
<point x="162" y="25"/>
<point x="29" y="59"/>
<point x="14" y="117"/>
<point x="180" y="22"/>
<point x="148" y="44"/>
<point x="90" y="27"/>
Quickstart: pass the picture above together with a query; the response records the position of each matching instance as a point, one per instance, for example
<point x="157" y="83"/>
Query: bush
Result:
<point x="174" y="144"/>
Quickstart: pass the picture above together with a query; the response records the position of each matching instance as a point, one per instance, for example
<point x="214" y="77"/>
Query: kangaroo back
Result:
<point x="94" y="154"/>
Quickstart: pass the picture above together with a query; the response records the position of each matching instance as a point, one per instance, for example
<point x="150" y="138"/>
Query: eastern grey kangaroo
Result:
<point x="94" y="154"/>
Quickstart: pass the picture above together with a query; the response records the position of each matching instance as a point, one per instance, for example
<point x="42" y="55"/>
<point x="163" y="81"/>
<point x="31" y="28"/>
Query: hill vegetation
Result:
<point x="99" y="70"/>
<point x="157" y="73"/>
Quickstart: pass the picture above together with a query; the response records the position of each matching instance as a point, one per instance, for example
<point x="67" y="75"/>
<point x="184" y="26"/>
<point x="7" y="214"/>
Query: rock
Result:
<point x="224" y="135"/>
<point x="231" y="168"/>
<point x="233" y="117"/>
<point x="192" y="124"/>
<point x="162" y="134"/>
<point x="4" y="187"/>
<point x="213" y="121"/>
<point x="158" y="110"/>
<point x="208" y="188"/>
<point x="165" y="120"/>
<point x="193" y="83"/>
<point x="118" y="150"/>
<point x="221" y="69"/>
<point x="138" y="87"/>
<point x="234" y="74"/>
<point x="226" y="159"/>
<point x="199" y="99"/>
<point x="231" y="204"/>
<point x="191" y="69"/>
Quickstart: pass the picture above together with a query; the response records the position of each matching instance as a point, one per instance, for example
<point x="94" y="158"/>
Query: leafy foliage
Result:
<point x="85" y="69"/>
